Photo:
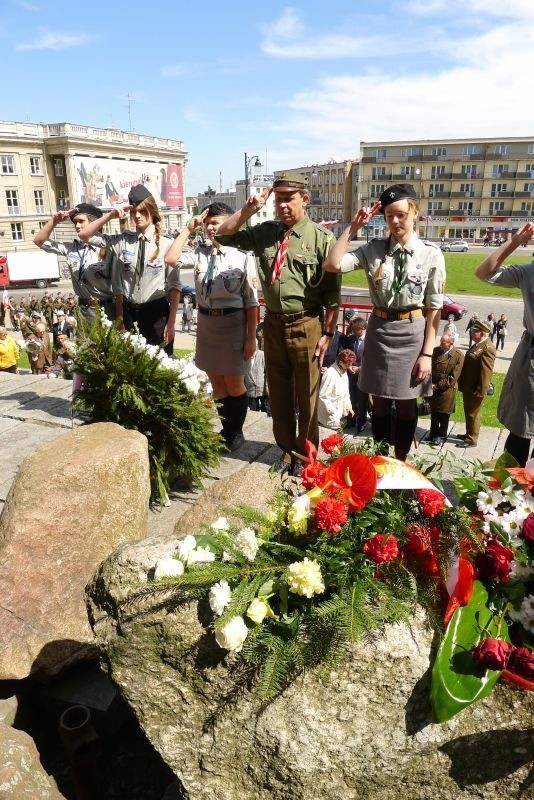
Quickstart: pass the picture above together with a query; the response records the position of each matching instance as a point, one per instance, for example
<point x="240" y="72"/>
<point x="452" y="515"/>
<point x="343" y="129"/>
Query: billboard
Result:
<point x="105" y="182"/>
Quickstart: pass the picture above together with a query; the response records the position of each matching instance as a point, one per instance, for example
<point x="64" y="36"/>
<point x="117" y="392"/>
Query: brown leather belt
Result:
<point x="218" y="312"/>
<point x="311" y="312"/>
<point x="397" y="313"/>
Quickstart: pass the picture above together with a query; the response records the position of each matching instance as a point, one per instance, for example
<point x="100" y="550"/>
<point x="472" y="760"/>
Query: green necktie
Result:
<point x="398" y="275"/>
<point x="210" y="272"/>
<point x="140" y="264"/>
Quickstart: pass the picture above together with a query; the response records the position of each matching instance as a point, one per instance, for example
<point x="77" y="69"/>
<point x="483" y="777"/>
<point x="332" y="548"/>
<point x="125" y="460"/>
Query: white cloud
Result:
<point x="28" y="6"/>
<point x="56" y="41"/>
<point x="176" y="70"/>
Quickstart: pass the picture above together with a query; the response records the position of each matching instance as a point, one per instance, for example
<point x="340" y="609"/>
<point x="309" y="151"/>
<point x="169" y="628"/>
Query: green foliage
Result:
<point x="125" y="383"/>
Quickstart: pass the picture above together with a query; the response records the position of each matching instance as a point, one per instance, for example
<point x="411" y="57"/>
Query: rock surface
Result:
<point x="73" y="502"/>
<point x="367" y="733"/>
<point x="22" y="776"/>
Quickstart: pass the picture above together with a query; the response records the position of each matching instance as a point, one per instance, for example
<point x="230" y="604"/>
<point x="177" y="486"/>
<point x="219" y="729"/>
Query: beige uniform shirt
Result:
<point x="234" y="280"/>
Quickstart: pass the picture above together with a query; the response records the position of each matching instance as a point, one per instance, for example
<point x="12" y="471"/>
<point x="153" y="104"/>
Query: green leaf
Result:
<point x="457" y="680"/>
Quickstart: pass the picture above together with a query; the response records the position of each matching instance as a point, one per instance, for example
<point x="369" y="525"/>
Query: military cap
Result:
<point x="480" y="325"/>
<point x="290" y="180"/>
<point x="399" y="191"/>
<point x="138" y="194"/>
<point x="86" y="208"/>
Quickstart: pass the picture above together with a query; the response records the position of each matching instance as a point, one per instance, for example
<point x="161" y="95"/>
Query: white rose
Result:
<point x="220" y="524"/>
<point x="220" y="597"/>
<point x="200" y="556"/>
<point x="247" y="543"/>
<point x="186" y="547"/>
<point x="232" y="635"/>
<point x="168" y="567"/>
<point x="304" y="577"/>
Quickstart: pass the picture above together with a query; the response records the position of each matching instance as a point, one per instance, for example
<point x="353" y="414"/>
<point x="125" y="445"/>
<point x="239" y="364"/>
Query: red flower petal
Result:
<point x="354" y="477"/>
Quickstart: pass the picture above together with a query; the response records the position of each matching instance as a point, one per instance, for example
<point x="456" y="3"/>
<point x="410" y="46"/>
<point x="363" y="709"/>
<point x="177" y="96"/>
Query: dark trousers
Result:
<point x="518" y="447"/>
<point x="9" y="369"/>
<point x="439" y="424"/>
<point x="151" y="319"/>
<point x="293" y="375"/>
<point x="359" y="401"/>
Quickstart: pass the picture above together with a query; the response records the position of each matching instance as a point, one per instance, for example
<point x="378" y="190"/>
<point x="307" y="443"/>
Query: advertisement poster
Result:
<point x="105" y="182"/>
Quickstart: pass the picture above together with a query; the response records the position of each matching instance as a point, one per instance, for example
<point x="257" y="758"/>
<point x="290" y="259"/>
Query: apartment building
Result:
<point x="468" y="188"/>
<point x="45" y="168"/>
<point x="330" y="188"/>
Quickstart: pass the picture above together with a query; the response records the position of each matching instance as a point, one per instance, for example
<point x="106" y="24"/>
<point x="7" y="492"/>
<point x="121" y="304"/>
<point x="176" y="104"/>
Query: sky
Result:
<point x="294" y="83"/>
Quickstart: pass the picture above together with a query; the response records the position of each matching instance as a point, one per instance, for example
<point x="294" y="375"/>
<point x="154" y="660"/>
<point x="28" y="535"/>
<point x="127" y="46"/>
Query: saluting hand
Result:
<point x="257" y="201"/>
<point x="524" y="234"/>
<point x="197" y="221"/>
<point x="364" y="215"/>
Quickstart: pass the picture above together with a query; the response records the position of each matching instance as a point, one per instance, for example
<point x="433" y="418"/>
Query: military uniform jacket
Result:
<point x="478" y="367"/>
<point x="303" y="285"/>
<point x="446" y="369"/>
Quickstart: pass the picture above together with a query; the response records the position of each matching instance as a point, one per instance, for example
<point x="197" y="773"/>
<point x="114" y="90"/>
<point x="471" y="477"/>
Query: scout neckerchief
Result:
<point x="207" y="280"/>
<point x="399" y="268"/>
<point x="280" y="258"/>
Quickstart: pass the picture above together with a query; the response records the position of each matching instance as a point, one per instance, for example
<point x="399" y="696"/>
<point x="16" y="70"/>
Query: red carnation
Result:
<point x="495" y="561"/>
<point x="492" y="653"/>
<point x="417" y="540"/>
<point x="522" y="663"/>
<point x="330" y="514"/>
<point x="382" y="548"/>
<point x="527" y="531"/>
<point x="313" y="474"/>
<point x="331" y="443"/>
<point x="431" y="500"/>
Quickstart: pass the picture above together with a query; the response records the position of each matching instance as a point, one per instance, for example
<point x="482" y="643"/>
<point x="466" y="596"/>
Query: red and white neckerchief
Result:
<point x="280" y="258"/>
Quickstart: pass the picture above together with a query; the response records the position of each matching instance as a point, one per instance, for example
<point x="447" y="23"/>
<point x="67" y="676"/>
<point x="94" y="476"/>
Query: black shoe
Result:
<point x="465" y="444"/>
<point x="295" y="469"/>
<point x="234" y="441"/>
<point x="281" y="467"/>
<point x="436" y="440"/>
<point x="462" y="436"/>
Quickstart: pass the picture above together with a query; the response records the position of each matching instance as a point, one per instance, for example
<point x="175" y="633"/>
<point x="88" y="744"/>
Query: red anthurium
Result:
<point x="354" y="478"/>
<point x="463" y="589"/>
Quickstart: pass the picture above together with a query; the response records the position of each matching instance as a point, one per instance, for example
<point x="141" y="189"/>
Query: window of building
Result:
<point x="334" y="177"/>
<point x="320" y="178"/>
<point x="526" y="207"/>
<point x="503" y="149"/>
<point x="464" y="205"/>
<point x="498" y="169"/>
<point x="377" y="189"/>
<point x="35" y="165"/>
<point x="16" y="231"/>
<point x="410" y="152"/>
<point x="435" y="205"/>
<point x="314" y="177"/>
<point x="471" y="150"/>
<point x="341" y="178"/>
<point x="327" y="179"/>
<point x="436" y="171"/>
<point x="38" y="195"/>
<point x="528" y="187"/>
<point x="530" y="149"/>
<point x="333" y="197"/>
<point x="8" y="165"/>
<point x="434" y="188"/>
<point x="62" y="199"/>
<point x="379" y="153"/>
<point x="378" y="171"/>
<point x="498" y="187"/>
<point x="58" y="167"/>
<point x="12" y="200"/>
<point x="469" y="170"/>
<point x="496" y="205"/>
<point x="468" y="188"/>
<point x="439" y="151"/>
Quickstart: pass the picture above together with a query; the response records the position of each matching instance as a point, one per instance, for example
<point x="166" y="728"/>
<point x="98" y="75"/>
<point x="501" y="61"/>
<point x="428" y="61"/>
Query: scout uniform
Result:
<point x="139" y="274"/>
<point x="476" y="377"/>
<point x="90" y="275"/>
<point x="446" y="369"/>
<point x="293" y="321"/>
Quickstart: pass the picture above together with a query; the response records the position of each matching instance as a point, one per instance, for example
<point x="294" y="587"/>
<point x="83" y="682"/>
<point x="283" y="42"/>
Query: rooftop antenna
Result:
<point x="129" y="106"/>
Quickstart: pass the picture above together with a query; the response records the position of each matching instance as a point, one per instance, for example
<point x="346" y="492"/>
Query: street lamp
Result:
<point x="257" y="165"/>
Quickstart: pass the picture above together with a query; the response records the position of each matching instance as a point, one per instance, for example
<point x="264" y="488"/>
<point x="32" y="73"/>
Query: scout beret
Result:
<point x="290" y="180"/>
<point x="138" y="194"/>
<point x="480" y="325"/>
<point x="399" y="191"/>
<point x="86" y="208"/>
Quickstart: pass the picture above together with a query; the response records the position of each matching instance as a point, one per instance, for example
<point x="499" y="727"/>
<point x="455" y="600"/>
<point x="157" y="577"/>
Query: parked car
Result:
<point x="458" y="246"/>
<point x="189" y="291"/>
<point x="450" y="306"/>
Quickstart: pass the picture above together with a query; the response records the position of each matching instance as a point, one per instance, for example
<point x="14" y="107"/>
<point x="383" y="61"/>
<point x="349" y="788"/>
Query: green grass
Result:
<point x="488" y="414"/>
<point x="460" y="276"/>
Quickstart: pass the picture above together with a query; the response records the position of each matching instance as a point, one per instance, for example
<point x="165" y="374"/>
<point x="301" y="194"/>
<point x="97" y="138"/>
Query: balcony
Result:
<point x="467" y="176"/>
<point x="442" y="176"/>
<point x="466" y="194"/>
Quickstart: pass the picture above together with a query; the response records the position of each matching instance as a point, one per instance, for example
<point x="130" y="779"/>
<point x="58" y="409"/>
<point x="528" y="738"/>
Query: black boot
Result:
<point x="222" y="410"/>
<point x="236" y="412"/>
<point x="381" y="432"/>
<point x="404" y="433"/>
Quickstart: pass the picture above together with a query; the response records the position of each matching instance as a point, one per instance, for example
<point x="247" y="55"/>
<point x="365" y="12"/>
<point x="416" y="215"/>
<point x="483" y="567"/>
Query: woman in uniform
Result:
<point x="227" y="315"/>
<point x="405" y="276"/>
<point x="516" y="403"/>
<point x="146" y="291"/>
<point x="90" y="276"/>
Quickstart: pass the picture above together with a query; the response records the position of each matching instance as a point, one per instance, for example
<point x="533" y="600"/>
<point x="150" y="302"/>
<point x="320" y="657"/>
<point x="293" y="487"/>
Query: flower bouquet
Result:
<point x="367" y="541"/>
<point x="127" y="381"/>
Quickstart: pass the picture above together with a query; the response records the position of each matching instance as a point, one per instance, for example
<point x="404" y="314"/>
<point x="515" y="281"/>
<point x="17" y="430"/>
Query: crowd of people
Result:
<point x="300" y="368"/>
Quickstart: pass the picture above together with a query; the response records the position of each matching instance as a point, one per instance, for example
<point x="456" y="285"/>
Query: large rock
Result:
<point x="22" y="776"/>
<point x="72" y="503"/>
<point x="367" y="733"/>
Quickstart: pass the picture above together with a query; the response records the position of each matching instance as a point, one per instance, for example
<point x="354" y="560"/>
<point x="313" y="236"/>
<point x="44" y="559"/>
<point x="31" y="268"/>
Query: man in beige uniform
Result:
<point x="290" y="253"/>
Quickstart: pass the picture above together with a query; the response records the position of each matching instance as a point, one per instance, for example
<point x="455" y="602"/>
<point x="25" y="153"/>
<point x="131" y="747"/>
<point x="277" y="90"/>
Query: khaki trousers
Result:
<point x="293" y="378"/>
<point x="472" y="406"/>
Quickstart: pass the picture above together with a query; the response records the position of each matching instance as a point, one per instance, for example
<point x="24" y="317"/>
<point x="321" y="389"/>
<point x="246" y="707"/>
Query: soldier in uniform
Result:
<point x="302" y="303"/>
<point x="474" y="380"/>
<point x="90" y="275"/>
<point x="447" y="362"/>
<point x="405" y="276"/>
<point x="146" y="291"/>
<point x="516" y="403"/>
